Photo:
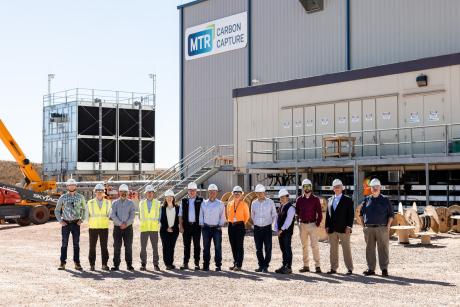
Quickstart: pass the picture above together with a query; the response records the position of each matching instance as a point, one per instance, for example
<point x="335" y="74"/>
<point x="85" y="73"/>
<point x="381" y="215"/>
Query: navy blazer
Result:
<point x="164" y="220"/>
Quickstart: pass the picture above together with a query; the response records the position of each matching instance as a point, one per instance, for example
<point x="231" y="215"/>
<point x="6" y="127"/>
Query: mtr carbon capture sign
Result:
<point x="221" y="35"/>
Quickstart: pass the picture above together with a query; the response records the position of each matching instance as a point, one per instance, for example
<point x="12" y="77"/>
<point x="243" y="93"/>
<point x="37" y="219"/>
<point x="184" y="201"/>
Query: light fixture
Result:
<point x="422" y="80"/>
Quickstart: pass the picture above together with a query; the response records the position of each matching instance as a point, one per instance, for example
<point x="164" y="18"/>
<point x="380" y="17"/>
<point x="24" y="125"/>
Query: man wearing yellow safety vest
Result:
<point x="98" y="210"/>
<point x="149" y="216"/>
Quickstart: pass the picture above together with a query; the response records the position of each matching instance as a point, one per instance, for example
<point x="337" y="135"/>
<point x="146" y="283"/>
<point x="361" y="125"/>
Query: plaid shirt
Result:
<point x="70" y="207"/>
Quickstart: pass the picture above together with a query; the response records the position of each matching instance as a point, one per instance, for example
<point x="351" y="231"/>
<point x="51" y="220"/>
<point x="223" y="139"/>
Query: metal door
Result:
<point x="310" y="130"/>
<point x="355" y="124"/>
<point x="298" y="130"/>
<point x="387" y="118"/>
<point x="433" y="115"/>
<point x="369" y="126"/>
<point x="324" y="123"/>
<point x="284" y="146"/>
<point x="412" y="117"/>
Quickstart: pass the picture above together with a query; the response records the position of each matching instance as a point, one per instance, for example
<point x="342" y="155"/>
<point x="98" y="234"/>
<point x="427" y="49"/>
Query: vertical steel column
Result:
<point x="140" y="139"/>
<point x="117" y="137"/>
<point x="100" y="141"/>
<point x="427" y="184"/>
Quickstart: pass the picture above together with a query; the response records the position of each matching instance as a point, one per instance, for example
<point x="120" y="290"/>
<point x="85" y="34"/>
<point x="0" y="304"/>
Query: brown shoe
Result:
<point x="304" y="269"/>
<point x="61" y="267"/>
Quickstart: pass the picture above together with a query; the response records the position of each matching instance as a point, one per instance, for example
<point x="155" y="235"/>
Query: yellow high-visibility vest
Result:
<point x="150" y="220"/>
<point x="99" y="217"/>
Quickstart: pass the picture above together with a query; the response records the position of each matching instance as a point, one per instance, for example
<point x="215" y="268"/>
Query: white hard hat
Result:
<point x="337" y="182"/>
<point x="149" y="188"/>
<point x="169" y="193"/>
<point x="99" y="187"/>
<point x="283" y="192"/>
<point x="237" y="188"/>
<point x="212" y="187"/>
<point x="306" y="181"/>
<point x="192" y="186"/>
<point x="123" y="188"/>
<point x="71" y="181"/>
<point x="374" y="183"/>
<point x="259" y="189"/>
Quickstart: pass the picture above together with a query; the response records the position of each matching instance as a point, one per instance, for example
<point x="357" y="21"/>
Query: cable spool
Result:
<point x="413" y="219"/>
<point x="226" y="197"/>
<point x="444" y="219"/>
<point x="454" y="225"/>
<point x="249" y="198"/>
<point x="398" y="220"/>
<point x="357" y="214"/>
<point x="322" y="234"/>
<point x="428" y="223"/>
<point x="434" y="222"/>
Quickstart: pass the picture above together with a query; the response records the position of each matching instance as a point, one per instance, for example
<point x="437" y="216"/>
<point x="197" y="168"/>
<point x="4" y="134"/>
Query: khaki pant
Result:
<point x="344" y="239"/>
<point x="379" y="236"/>
<point x="153" y="236"/>
<point x="309" y="230"/>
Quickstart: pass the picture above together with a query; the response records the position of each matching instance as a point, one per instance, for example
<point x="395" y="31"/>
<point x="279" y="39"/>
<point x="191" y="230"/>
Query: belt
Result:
<point x="308" y="222"/>
<point x="236" y="223"/>
<point x="71" y="222"/>
<point x="374" y="225"/>
<point x="211" y="226"/>
<point x="269" y="225"/>
<point x="192" y="223"/>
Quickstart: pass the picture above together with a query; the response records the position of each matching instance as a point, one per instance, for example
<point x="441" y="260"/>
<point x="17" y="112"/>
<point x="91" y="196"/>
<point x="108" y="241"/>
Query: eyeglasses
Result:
<point x="236" y="192"/>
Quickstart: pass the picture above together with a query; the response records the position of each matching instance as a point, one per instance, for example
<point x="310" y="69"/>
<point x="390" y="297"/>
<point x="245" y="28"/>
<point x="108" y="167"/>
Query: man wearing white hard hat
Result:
<point x="284" y="227"/>
<point x="70" y="212"/>
<point x="98" y="213"/>
<point x="237" y="217"/>
<point x="376" y="215"/>
<point x="212" y="218"/>
<point x="263" y="215"/>
<point x="309" y="214"/>
<point x="189" y="212"/>
<point x="122" y="215"/>
<point x="149" y="217"/>
<point x="339" y="221"/>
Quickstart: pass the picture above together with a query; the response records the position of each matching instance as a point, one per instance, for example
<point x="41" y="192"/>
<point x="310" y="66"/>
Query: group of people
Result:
<point x="203" y="219"/>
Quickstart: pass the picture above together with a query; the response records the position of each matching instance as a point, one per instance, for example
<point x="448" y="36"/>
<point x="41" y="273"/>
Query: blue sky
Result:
<point x="92" y="44"/>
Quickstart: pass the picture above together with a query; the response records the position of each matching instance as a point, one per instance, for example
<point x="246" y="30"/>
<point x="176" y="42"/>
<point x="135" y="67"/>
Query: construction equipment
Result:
<point x="27" y="203"/>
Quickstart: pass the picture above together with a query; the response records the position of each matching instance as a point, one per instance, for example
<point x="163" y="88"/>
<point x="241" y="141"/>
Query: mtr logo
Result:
<point x="200" y="42"/>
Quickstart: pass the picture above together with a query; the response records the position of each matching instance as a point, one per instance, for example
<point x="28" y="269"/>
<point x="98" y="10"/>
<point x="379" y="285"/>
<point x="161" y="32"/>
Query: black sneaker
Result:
<point x="259" y="269"/>
<point x="143" y="268"/>
<point x="115" y="268"/>
<point x="205" y="268"/>
<point x="384" y="272"/>
<point x="61" y="266"/>
<point x="280" y="270"/>
<point x="318" y="269"/>
<point x="184" y="267"/>
<point x="350" y="272"/>
<point x="105" y="267"/>
<point x="130" y="268"/>
<point x="197" y="267"/>
<point x="304" y="269"/>
<point x="156" y="267"/>
<point x="218" y="269"/>
<point x="92" y="268"/>
<point x="331" y="272"/>
<point x="286" y="271"/>
<point x="369" y="272"/>
<point x="236" y="269"/>
<point x="78" y="267"/>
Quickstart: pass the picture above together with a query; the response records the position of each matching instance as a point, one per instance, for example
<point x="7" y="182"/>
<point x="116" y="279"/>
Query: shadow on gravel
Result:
<point x="103" y="275"/>
<point x="394" y="280"/>
<point x="420" y="245"/>
<point x="9" y="227"/>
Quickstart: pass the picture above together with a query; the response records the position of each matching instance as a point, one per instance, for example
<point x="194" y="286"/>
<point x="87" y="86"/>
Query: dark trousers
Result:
<point x="263" y="240"/>
<point x="74" y="229"/>
<point x="122" y="236"/>
<point x="236" y="234"/>
<point x="212" y="234"/>
<point x="103" y="235"/>
<point x="168" y="240"/>
<point x="286" y="250"/>
<point x="192" y="233"/>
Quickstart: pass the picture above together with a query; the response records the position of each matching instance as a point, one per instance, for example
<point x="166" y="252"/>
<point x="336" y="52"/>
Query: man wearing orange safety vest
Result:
<point x="98" y="210"/>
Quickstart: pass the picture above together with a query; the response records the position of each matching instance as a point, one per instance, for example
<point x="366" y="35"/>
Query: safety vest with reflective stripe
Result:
<point x="99" y="216"/>
<point x="150" y="220"/>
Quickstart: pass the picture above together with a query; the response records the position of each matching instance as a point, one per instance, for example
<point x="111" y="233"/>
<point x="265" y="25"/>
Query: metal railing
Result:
<point x="90" y="95"/>
<point x="407" y="141"/>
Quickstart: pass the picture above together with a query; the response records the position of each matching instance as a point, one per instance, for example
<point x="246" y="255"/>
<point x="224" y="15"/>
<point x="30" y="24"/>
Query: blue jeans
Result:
<point x="212" y="234"/>
<point x="74" y="229"/>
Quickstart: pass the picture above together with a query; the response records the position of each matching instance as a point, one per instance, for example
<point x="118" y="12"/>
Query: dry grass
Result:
<point x="10" y="173"/>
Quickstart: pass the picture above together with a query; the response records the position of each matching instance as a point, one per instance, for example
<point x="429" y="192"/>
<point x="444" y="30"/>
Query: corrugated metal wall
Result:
<point x="391" y="31"/>
<point x="289" y="43"/>
<point x="208" y="85"/>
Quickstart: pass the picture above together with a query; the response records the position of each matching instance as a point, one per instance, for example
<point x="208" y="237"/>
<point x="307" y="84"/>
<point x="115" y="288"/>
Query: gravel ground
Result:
<point x="418" y="275"/>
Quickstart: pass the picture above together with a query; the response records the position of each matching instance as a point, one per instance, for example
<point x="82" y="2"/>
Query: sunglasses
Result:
<point x="305" y="186"/>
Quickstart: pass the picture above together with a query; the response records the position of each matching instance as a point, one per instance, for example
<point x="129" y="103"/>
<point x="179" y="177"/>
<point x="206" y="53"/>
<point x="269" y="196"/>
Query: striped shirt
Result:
<point x="263" y="213"/>
<point x="70" y="207"/>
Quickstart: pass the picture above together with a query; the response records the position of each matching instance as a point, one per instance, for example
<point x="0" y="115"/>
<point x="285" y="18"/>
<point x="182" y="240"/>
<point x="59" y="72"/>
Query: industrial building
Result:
<point x="275" y="78"/>
<point x="91" y="133"/>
